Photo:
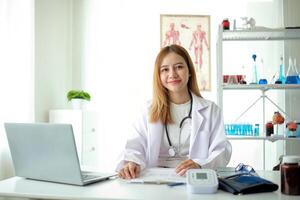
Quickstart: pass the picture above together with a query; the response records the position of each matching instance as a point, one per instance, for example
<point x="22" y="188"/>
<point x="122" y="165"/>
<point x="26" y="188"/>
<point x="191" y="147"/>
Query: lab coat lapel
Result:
<point x="154" y="140"/>
<point x="197" y="118"/>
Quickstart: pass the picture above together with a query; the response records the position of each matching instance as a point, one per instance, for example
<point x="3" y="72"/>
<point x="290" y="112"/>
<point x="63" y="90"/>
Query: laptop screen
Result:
<point x="44" y="151"/>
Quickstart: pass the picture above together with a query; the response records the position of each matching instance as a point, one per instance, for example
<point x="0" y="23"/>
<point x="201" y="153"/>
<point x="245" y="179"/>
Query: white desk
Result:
<point x="118" y="189"/>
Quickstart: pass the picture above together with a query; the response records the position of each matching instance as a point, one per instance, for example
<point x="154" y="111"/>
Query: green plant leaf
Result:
<point x="78" y="94"/>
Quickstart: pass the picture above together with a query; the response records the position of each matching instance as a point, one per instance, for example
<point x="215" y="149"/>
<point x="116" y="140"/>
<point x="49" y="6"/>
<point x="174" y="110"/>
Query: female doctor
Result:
<point x="179" y="128"/>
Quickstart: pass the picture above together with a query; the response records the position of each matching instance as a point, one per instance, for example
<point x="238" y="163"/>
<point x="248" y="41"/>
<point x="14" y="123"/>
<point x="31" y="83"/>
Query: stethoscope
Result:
<point x="172" y="150"/>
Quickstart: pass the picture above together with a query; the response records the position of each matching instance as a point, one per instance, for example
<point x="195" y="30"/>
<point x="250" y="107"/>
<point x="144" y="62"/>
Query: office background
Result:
<point x="108" y="48"/>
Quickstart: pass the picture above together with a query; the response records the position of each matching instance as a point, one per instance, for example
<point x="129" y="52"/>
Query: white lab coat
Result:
<point x="209" y="146"/>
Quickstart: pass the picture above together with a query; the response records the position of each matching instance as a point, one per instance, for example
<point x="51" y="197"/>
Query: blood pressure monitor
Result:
<point x="202" y="181"/>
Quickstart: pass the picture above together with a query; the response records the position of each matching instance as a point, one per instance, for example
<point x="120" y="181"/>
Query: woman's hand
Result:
<point x="185" y="165"/>
<point x="130" y="170"/>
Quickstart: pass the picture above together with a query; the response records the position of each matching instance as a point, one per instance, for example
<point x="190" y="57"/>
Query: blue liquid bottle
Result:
<point x="262" y="79"/>
<point x="256" y="130"/>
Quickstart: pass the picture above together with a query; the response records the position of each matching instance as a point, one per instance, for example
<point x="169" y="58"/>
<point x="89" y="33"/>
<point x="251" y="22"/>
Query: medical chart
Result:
<point x="159" y="176"/>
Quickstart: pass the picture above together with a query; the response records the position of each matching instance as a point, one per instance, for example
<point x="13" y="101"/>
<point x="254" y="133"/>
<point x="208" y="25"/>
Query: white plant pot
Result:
<point x="78" y="104"/>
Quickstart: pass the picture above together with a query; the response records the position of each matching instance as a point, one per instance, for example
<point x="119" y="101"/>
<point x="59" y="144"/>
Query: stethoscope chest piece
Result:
<point x="171" y="152"/>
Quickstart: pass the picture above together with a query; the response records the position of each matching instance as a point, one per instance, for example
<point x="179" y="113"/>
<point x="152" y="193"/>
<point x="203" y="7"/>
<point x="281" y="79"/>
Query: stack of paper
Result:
<point x="159" y="176"/>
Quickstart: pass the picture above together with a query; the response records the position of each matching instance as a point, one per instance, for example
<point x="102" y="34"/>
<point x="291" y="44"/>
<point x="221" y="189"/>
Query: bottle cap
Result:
<point x="291" y="159"/>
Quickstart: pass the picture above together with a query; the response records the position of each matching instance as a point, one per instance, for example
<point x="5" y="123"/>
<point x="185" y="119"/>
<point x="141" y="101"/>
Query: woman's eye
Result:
<point x="179" y="66"/>
<point x="164" y="69"/>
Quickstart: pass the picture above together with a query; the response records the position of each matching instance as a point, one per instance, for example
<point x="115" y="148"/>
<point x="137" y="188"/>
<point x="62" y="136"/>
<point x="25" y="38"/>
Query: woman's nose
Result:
<point x="173" y="72"/>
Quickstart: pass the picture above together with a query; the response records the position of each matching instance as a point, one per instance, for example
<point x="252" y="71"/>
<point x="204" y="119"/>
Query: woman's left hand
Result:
<point x="185" y="165"/>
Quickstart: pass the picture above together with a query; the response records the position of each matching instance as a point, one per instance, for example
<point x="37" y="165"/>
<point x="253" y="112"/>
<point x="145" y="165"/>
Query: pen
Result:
<point x="175" y="184"/>
<point x="158" y="182"/>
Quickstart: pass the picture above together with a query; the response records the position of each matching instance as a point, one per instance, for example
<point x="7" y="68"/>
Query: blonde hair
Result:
<point x="160" y="107"/>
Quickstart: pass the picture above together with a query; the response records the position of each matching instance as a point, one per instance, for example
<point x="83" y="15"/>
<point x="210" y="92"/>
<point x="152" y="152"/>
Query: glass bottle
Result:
<point x="281" y="78"/>
<point x="292" y="76"/>
<point x="269" y="129"/>
<point x="243" y="76"/>
<point x="254" y="71"/>
<point x="262" y="79"/>
<point x="256" y="130"/>
<point x="226" y="24"/>
<point x="290" y="175"/>
<point x="297" y="73"/>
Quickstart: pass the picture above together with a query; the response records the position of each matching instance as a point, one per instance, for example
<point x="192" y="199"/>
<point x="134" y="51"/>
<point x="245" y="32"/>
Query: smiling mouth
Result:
<point x="174" y="82"/>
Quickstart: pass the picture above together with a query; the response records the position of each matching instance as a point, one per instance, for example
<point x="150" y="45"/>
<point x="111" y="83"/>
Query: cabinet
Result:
<point x="253" y="36"/>
<point x="85" y="130"/>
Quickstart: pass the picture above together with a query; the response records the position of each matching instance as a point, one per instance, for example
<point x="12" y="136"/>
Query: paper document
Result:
<point x="159" y="176"/>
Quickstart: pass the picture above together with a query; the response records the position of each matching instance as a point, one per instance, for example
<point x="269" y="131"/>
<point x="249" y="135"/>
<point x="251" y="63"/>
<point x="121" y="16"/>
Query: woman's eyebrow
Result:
<point x="179" y="63"/>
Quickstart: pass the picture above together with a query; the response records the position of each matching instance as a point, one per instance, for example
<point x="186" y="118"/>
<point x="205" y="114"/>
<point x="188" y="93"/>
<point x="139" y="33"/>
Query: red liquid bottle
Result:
<point x="226" y="24"/>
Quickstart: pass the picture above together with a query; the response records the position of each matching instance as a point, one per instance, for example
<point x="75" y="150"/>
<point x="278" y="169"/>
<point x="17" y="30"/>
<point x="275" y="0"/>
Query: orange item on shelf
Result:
<point x="277" y="118"/>
<point x="292" y="126"/>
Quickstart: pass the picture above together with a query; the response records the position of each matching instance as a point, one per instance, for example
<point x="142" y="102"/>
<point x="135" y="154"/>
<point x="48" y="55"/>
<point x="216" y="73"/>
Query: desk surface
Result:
<point x="119" y="189"/>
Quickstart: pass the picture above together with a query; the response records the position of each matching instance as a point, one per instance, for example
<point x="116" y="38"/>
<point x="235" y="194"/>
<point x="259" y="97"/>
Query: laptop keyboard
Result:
<point x="88" y="176"/>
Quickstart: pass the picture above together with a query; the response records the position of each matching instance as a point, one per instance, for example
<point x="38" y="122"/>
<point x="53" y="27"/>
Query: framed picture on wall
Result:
<point x="193" y="33"/>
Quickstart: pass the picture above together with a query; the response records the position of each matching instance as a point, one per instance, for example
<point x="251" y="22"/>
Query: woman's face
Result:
<point x="174" y="73"/>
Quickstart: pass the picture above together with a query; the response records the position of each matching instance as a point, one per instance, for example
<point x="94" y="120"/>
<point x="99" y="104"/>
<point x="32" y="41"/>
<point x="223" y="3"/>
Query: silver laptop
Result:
<point x="47" y="152"/>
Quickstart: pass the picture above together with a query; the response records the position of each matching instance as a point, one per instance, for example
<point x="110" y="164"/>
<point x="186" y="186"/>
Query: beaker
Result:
<point x="262" y="79"/>
<point x="254" y="71"/>
<point x="292" y="75"/>
<point x="291" y="128"/>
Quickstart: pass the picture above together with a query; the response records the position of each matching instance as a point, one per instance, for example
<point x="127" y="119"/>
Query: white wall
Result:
<point x="292" y="48"/>
<point x="53" y="55"/>
<point x="79" y="29"/>
<point x="16" y="71"/>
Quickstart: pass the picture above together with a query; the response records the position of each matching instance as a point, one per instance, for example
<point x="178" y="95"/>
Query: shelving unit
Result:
<point x="264" y="97"/>
<point x="271" y="138"/>
<point x="250" y="35"/>
<point x="254" y="35"/>
<point x="261" y="87"/>
<point x="260" y="34"/>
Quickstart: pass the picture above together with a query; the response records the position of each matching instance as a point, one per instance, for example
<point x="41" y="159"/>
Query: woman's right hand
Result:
<point x="130" y="170"/>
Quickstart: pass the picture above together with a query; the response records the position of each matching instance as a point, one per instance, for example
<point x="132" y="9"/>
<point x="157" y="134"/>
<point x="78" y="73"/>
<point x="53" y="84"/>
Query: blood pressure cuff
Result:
<point x="246" y="184"/>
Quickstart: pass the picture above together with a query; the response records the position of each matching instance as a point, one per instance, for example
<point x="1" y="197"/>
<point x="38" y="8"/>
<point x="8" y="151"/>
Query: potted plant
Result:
<point x="78" y="98"/>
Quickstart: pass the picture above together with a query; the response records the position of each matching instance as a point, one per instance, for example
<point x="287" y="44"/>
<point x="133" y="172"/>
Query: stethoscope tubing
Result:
<point x="182" y="121"/>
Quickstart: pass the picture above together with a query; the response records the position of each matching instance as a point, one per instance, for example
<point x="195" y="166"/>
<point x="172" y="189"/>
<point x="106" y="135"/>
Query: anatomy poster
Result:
<point x="193" y="33"/>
